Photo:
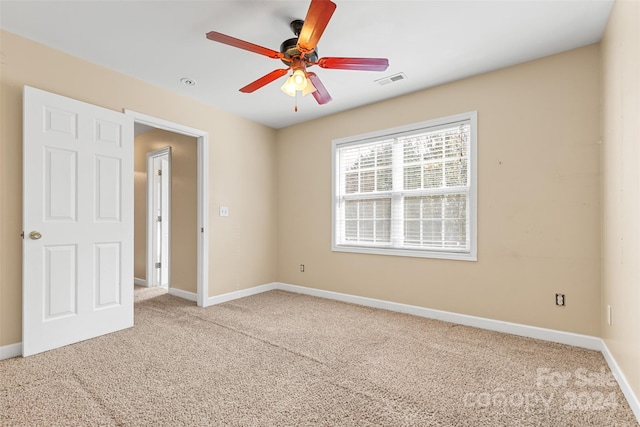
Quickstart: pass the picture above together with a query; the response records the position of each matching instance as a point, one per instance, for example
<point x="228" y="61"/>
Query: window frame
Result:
<point x="472" y="254"/>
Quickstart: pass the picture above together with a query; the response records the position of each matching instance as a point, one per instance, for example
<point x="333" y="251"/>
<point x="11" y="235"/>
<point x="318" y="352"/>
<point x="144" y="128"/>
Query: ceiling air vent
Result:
<point x="390" y="79"/>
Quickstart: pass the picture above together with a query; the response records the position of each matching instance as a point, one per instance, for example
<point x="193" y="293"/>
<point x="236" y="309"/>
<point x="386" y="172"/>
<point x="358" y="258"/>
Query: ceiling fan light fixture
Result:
<point x="289" y="87"/>
<point x="298" y="81"/>
<point x="309" y="88"/>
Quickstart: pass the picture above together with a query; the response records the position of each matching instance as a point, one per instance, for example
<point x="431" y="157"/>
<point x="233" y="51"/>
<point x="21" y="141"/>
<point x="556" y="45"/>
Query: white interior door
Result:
<point x="78" y="221"/>
<point x="158" y="216"/>
<point x="165" y="198"/>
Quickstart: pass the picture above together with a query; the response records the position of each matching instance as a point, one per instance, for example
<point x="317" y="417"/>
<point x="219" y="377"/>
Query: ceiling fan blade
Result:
<point x="264" y="80"/>
<point x="318" y="16"/>
<point x="232" y="41"/>
<point x="364" y="64"/>
<point x="321" y="94"/>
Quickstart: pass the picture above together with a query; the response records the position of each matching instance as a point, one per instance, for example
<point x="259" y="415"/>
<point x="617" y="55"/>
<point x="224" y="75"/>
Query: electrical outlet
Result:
<point x="301" y="268"/>
<point x="609" y="314"/>
<point x="224" y="211"/>
<point x="560" y="300"/>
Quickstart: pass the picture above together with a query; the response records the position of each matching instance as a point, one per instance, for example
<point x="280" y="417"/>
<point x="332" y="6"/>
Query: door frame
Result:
<point x="166" y="217"/>
<point x="203" y="191"/>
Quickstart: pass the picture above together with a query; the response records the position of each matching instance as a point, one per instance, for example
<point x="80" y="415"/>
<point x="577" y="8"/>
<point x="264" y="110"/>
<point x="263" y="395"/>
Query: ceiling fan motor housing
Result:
<point x="289" y="48"/>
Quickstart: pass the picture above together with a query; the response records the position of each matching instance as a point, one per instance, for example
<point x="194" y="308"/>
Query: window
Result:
<point x="408" y="191"/>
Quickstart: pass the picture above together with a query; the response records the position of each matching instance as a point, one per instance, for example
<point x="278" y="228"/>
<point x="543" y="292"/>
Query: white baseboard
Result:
<point x="631" y="397"/>
<point x="577" y="340"/>
<point x="219" y="299"/>
<point x="11" y="350"/>
<point x="141" y="282"/>
<point x="190" y="296"/>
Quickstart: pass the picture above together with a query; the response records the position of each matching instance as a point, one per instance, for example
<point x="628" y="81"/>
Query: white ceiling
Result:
<point x="431" y="42"/>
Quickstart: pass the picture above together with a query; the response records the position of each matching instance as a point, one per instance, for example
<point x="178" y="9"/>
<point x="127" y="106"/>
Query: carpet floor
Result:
<point x="283" y="359"/>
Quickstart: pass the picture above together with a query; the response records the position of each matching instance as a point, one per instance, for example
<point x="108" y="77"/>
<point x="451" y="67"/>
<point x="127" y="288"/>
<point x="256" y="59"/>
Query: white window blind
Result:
<point x="407" y="191"/>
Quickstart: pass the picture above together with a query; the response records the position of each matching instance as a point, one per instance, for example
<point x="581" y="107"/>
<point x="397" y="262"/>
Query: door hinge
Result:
<point x="22" y="234"/>
<point x="158" y="171"/>
<point x="159" y="219"/>
<point x="158" y="264"/>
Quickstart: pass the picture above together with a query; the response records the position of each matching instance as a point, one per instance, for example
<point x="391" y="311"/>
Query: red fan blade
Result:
<point x="318" y="16"/>
<point x="232" y="41"/>
<point x="364" y="64"/>
<point x="264" y="80"/>
<point x="321" y="95"/>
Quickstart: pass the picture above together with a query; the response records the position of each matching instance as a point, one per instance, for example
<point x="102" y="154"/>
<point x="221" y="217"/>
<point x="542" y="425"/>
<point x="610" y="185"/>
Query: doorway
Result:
<point x="199" y="225"/>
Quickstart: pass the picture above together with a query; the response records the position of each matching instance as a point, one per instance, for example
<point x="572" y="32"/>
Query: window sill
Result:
<point x="459" y="256"/>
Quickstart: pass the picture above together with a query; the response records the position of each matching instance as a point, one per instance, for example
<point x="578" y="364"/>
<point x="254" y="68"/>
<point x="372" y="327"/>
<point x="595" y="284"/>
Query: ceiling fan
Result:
<point x="300" y="52"/>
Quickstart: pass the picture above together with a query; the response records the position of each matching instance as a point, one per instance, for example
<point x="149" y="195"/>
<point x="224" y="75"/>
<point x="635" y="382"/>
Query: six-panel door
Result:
<point x="78" y="221"/>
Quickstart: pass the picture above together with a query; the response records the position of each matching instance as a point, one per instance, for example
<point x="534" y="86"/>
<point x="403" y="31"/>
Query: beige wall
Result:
<point x="184" y="206"/>
<point x="241" y="162"/>
<point x="538" y="192"/>
<point x="621" y="188"/>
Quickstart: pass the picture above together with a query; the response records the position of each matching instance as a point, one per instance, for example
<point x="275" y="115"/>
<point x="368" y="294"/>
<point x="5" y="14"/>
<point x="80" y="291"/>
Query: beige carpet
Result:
<point x="142" y="293"/>
<point x="282" y="359"/>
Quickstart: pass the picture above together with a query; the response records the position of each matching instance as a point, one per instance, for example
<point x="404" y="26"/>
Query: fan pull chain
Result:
<point x="296" y="106"/>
